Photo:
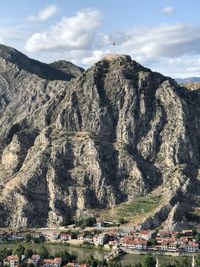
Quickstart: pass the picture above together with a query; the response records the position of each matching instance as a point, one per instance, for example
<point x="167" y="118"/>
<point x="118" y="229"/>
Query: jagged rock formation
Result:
<point x="192" y="85"/>
<point x="115" y="132"/>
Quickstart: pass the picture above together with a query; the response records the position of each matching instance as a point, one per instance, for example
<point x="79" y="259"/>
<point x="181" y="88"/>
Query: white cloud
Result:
<point x="171" y="49"/>
<point x="160" y="41"/>
<point x="168" y="10"/>
<point x="167" y="48"/>
<point x="71" y="33"/>
<point x="9" y="34"/>
<point x="44" y="14"/>
<point x="180" y="67"/>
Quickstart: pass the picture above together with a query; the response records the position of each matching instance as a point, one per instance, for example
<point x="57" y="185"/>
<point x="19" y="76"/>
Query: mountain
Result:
<point x="67" y="67"/>
<point x="192" y="85"/>
<point x="188" y="80"/>
<point x="45" y="71"/>
<point x="115" y="134"/>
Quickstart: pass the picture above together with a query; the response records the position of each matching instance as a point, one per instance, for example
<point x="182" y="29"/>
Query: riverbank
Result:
<point x="84" y="253"/>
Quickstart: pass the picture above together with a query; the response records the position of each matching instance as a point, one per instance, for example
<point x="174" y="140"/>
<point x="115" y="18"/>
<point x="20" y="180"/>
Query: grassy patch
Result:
<point x="139" y="207"/>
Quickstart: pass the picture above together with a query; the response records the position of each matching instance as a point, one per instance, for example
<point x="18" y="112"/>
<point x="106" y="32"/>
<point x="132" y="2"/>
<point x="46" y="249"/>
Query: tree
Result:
<point x="179" y="235"/>
<point x="197" y="261"/>
<point x="185" y="261"/>
<point x="28" y="253"/>
<point x="22" y="264"/>
<point x="194" y="232"/>
<point x="167" y="265"/>
<point x="43" y="252"/>
<point x="85" y="221"/>
<point x="66" y="256"/>
<point x="197" y="237"/>
<point x="137" y="264"/>
<point x="149" y="261"/>
<point x="93" y="262"/>
<point x="121" y="220"/>
<point x="4" y="253"/>
<point x="28" y="238"/>
<point x="20" y="251"/>
<point x="152" y="242"/>
<point x="116" y="264"/>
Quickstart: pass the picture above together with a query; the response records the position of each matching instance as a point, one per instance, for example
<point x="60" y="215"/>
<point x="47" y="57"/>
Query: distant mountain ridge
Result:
<point x="43" y="70"/>
<point x="67" y="68"/>
<point x="187" y="80"/>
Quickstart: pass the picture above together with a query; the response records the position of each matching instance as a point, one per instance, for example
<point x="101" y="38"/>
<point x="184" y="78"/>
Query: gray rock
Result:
<point x="115" y="132"/>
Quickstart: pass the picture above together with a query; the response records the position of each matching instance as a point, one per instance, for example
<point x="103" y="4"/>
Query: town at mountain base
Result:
<point x="74" y="146"/>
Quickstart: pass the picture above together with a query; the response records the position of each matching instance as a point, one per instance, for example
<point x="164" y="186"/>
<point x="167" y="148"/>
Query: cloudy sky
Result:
<point x="161" y="34"/>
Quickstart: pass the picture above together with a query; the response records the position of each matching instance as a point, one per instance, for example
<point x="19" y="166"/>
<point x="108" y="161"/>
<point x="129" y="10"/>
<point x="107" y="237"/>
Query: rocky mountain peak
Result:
<point x="115" y="133"/>
<point x="111" y="57"/>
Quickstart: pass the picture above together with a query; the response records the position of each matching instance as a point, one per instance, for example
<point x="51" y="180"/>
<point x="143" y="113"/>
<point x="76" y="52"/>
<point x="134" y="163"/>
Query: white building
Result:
<point x="101" y="239"/>
<point x="192" y="247"/>
<point x="13" y="260"/>
<point x="65" y="237"/>
<point x="56" y="262"/>
<point x="146" y="235"/>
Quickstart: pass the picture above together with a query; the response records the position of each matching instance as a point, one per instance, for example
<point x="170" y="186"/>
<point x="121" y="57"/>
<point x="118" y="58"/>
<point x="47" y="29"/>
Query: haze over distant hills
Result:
<point x="187" y="80"/>
<point x="76" y="143"/>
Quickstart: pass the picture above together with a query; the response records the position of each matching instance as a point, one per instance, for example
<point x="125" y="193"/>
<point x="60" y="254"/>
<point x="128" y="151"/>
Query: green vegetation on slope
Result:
<point x="140" y="206"/>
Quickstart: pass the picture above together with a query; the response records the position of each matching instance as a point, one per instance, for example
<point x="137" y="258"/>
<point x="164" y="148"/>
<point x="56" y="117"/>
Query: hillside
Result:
<point x="116" y="133"/>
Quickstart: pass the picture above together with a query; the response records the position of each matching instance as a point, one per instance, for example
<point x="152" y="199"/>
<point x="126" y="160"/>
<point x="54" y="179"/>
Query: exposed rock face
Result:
<point x="192" y="85"/>
<point x="116" y="132"/>
<point x="67" y="68"/>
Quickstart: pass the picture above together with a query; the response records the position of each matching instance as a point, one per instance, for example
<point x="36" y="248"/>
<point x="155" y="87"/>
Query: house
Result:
<point x="13" y="260"/>
<point x="65" y="237"/>
<point x="130" y="243"/>
<point x="81" y="236"/>
<point x="138" y="227"/>
<point x="11" y="237"/>
<point x="182" y="240"/>
<point x="164" y="234"/>
<point x="141" y="244"/>
<point x="191" y="247"/>
<point x="172" y="247"/>
<point x="100" y="239"/>
<point x="136" y="244"/>
<point x="188" y="232"/>
<point x="56" y="262"/>
<point x="55" y="235"/>
<point x="160" y="240"/>
<point x="100" y="224"/>
<point x="145" y="234"/>
<point x="35" y="235"/>
<point x="164" y="245"/>
<point x="20" y="236"/>
<point x="126" y="240"/>
<point x="34" y="260"/>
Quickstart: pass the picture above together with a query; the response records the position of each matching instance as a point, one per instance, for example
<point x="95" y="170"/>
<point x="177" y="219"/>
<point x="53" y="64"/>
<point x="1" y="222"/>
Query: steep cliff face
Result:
<point x="116" y="132"/>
